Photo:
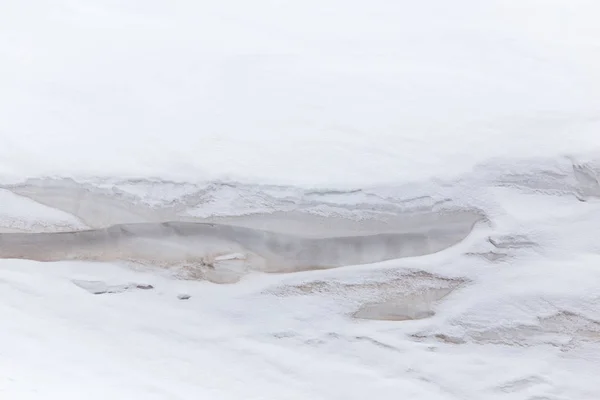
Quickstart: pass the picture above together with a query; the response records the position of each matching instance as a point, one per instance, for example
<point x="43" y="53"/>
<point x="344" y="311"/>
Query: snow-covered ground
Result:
<point x="314" y="92"/>
<point x="300" y="200"/>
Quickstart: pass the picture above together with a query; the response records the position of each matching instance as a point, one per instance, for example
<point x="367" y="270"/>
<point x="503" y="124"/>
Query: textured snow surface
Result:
<point x="500" y="302"/>
<point x="300" y="200"/>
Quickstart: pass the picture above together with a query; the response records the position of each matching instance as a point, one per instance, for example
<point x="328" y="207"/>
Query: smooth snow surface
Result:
<point x="300" y="200"/>
<point x="328" y="93"/>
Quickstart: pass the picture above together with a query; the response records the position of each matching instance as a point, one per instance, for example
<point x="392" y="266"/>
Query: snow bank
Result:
<point x="324" y="93"/>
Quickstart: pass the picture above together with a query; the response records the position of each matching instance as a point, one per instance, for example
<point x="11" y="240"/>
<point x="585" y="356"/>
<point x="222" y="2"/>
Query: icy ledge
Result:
<point x="223" y="252"/>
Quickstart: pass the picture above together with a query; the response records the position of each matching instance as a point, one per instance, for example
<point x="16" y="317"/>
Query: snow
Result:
<point x="316" y="93"/>
<point x="449" y="147"/>
<point x="448" y="325"/>
<point x="22" y="214"/>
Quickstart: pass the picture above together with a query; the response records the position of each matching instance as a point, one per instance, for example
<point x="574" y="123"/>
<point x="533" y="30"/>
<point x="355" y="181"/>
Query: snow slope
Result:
<point x="510" y="312"/>
<point x="292" y="200"/>
<point x="323" y="93"/>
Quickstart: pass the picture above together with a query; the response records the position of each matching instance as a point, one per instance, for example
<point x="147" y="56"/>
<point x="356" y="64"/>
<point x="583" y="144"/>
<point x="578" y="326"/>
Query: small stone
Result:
<point x="144" y="286"/>
<point x="184" y="297"/>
